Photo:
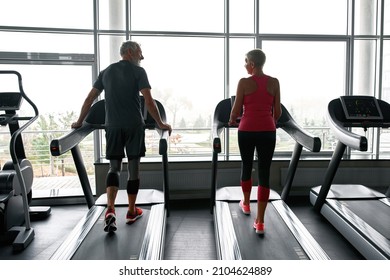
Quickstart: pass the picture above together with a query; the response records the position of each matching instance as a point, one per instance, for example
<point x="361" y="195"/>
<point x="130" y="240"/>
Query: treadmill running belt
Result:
<point x="278" y="243"/>
<point x="123" y="244"/>
<point x="373" y="212"/>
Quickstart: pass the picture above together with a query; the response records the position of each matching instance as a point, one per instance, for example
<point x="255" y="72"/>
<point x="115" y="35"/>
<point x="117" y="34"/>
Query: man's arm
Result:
<point x="153" y="110"/>
<point x="93" y="94"/>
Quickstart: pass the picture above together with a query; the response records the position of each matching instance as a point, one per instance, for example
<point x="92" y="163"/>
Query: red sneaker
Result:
<point x="246" y="209"/>
<point x="132" y="218"/>
<point x="259" y="227"/>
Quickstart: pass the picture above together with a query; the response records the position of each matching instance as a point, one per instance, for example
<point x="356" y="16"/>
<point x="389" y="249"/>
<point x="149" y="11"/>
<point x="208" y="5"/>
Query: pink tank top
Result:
<point x="258" y="108"/>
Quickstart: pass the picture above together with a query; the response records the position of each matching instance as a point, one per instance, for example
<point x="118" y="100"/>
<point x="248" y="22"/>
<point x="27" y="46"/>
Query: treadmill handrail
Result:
<point x="95" y="120"/>
<point x="345" y="136"/>
<point x="285" y="122"/>
<point x="68" y="141"/>
<point x="300" y="135"/>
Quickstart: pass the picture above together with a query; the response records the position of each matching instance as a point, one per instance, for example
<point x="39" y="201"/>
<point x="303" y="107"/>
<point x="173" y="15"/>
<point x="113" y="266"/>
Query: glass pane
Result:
<point x="387" y="17"/>
<point x="384" y="145"/>
<point x="310" y="75"/>
<point x="47" y="13"/>
<point x="189" y="83"/>
<point x="177" y="15"/>
<point x="43" y="42"/>
<point x="365" y="17"/>
<point x="109" y="49"/>
<point x="239" y="23"/>
<point x="112" y="14"/>
<point x="59" y="98"/>
<point x="238" y="49"/>
<point x="369" y="134"/>
<point x="386" y="71"/>
<point x="303" y="16"/>
<point x="189" y="96"/>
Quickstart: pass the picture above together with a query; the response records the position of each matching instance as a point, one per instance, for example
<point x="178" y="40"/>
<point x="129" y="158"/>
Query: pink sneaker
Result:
<point x="132" y="218"/>
<point x="246" y="209"/>
<point x="259" y="227"/>
<point x="110" y="221"/>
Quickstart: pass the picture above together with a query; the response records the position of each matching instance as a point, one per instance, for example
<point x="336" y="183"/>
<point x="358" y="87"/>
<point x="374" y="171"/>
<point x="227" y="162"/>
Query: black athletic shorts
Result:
<point x="119" y="139"/>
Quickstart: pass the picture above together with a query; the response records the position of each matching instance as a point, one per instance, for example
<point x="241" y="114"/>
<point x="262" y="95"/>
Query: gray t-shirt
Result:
<point x="122" y="82"/>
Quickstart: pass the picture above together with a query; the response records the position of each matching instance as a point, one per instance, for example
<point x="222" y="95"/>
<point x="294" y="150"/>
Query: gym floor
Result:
<point x="189" y="232"/>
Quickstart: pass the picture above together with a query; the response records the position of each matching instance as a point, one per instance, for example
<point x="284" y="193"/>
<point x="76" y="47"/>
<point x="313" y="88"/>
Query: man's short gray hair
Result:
<point x="128" y="45"/>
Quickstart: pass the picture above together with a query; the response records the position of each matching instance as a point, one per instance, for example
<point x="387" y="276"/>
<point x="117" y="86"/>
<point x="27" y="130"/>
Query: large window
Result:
<point x="194" y="56"/>
<point x="177" y="15"/>
<point x="54" y="89"/>
<point x="47" y="13"/>
<point x="320" y="78"/>
<point x="303" y="17"/>
<point x="187" y="77"/>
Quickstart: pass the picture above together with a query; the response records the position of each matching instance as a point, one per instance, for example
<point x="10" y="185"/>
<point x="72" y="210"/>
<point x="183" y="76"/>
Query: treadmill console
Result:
<point x="361" y="108"/>
<point x="10" y="101"/>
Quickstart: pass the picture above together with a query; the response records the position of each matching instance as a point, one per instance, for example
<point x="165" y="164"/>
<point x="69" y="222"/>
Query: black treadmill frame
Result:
<point x="369" y="242"/>
<point x="152" y="247"/>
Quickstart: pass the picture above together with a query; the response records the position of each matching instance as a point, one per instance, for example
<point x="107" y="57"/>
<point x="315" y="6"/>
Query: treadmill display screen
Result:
<point x="10" y="100"/>
<point x="361" y="108"/>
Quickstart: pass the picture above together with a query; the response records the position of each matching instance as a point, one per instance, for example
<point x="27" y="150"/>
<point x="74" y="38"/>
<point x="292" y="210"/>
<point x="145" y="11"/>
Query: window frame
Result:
<point x="258" y="37"/>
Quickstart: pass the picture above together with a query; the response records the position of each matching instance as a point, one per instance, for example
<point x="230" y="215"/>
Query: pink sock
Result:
<point x="246" y="185"/>
<point x="262" y="193"/>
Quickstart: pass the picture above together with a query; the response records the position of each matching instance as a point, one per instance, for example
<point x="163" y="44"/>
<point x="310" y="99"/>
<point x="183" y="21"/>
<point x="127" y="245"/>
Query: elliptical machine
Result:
<point x="16" y="176"/>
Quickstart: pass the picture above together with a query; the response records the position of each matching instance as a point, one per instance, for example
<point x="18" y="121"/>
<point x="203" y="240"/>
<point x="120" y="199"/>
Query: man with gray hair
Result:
<point x="122" y="82"/>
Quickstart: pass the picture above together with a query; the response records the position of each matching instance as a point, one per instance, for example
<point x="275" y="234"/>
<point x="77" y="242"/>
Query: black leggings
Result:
<point x="264" y="142"/>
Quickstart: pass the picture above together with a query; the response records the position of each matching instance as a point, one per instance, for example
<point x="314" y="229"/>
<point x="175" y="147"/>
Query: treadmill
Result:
<point x="359" y="213"/>
<point x="285" y="238"/>
<point x="143" y="240"/>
